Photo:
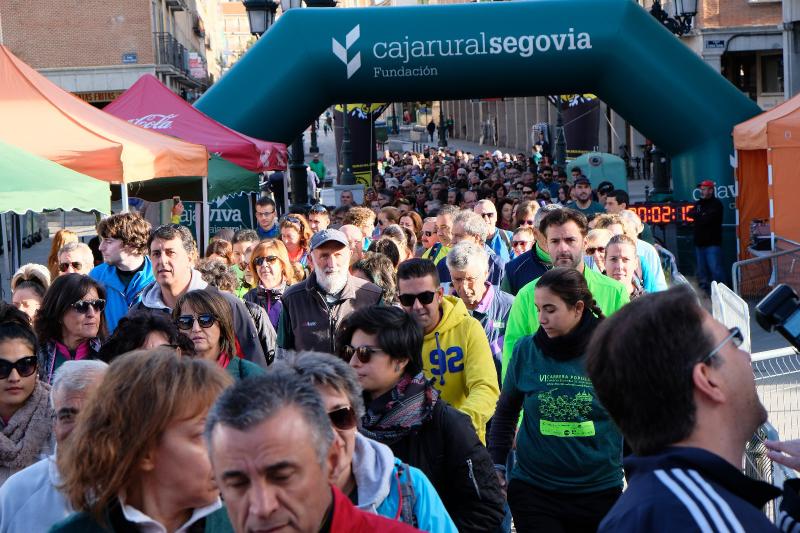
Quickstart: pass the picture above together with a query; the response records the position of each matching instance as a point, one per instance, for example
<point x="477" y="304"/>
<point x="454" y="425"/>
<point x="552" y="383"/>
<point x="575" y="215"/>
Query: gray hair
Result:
<point x="76" y="376"/>
<point x="257" y="399"/>
<point x="77" y="246"/>
<point x="467" y="253"/>
<point x="473" y="224"/>
<point x="542" y="212"/>
<point x="485" y="203"/>
<point x="324" y="369"/>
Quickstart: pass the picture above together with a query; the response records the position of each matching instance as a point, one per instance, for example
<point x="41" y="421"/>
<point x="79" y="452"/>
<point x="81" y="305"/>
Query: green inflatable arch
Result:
<point x="312" y="58"/>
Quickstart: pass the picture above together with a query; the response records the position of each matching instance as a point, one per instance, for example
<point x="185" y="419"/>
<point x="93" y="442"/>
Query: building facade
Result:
<point x="97" y="49"/>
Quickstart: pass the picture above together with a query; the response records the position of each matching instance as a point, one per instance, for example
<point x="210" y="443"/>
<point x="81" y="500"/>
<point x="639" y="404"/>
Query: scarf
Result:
<point x="28" y="432"/>
<point x="400" y="411"/>
<point x="571" y="345"/>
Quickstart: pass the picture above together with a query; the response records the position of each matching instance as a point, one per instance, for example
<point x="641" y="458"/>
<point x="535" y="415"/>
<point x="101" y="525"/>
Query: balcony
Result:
<point x="172" y="58"/>
<point x="175" y="5"/>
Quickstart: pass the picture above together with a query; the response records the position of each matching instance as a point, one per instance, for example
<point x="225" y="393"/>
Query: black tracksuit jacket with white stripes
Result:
<point x="690" y="489"/>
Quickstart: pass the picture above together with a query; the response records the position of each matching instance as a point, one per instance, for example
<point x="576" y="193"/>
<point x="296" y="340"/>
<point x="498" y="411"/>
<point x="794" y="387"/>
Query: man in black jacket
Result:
<point x="707" y="215"/>
<point x="532" y="264"/>
<point x="683" y="395"/>
<point x="313" y="308"/>
<point x="172" y="250"/>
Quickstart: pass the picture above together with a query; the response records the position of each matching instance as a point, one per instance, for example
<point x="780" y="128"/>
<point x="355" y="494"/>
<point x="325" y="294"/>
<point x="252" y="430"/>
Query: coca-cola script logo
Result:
<point x="154" y="121"/>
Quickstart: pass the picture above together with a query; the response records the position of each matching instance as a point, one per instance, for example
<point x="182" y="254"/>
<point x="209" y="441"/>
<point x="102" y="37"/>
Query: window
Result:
<point x="772" y="74"/>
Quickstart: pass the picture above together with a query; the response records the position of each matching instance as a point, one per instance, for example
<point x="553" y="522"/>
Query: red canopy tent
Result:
<point x="151" y="104"/>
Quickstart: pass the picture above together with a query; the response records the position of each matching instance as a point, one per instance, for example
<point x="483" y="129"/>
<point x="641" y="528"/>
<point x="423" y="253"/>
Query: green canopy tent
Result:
<point x="600" y="167"/>
<point x="226" y="178"/>
<point x="31" y="183"/>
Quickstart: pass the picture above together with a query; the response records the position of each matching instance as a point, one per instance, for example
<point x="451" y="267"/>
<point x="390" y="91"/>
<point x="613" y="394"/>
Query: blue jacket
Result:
<point x="688" y="489"/>
<point x="119" y="298"/>
<point x="492" y="312"/>
<point x="496" y="266"/>
<point x="523" y="269"/>
<point x="380" y="478"/>
<point x="498" y="244"/>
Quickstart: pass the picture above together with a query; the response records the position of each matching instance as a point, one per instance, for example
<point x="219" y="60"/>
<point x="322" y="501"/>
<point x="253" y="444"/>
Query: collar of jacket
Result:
<point x="709" y="465"/>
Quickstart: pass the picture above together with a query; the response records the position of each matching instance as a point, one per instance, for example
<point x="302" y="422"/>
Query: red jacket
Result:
<point x="348" y="519"/>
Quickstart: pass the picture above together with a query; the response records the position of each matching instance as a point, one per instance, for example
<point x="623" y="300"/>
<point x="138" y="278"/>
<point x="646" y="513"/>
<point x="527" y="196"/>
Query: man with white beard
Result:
<point x="313" y="308"/>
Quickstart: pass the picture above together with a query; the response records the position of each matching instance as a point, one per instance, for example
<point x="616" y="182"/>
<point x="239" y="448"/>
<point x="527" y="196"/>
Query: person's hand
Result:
<point x="786" y="453"/>
<point x="177" y="209"/>
<point x="501" y="480"/>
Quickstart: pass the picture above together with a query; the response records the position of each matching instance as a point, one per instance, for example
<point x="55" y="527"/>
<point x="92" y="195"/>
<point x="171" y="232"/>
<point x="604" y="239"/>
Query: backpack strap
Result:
<point x="407" y="498"/>
<point x="505" y="239"/>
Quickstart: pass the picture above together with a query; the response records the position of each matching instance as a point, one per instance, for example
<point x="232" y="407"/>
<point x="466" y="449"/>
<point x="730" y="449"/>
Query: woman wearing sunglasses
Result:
<point x="372" y="476"/>
<point x="205" y="317"/>
<point x="568" y="470"/>
<point x="26" y="418"/>
<point x="403" y="411"/>
<point x="296" y="236"/>
<point x="137" y="460"/>
<point x="270" y="265"/>
<point x="70" y="324"/>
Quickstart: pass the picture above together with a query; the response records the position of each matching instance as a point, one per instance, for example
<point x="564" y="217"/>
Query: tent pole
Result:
<point x="124" y="198"/>
<point x="4" y="233"/>
<point x="206" y="214"/>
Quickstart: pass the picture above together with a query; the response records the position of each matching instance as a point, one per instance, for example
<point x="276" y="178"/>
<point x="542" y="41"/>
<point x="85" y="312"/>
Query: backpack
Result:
<point x="407" y="498"/>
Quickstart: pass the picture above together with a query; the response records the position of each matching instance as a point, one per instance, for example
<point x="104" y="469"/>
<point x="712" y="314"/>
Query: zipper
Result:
<point x="472" y="477"/>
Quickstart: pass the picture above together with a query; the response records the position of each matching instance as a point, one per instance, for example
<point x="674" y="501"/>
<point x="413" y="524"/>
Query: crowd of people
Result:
<point x="471" y="345"/>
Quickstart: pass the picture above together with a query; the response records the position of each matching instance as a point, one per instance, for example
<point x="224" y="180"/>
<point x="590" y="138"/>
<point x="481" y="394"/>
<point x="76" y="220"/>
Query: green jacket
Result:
<point x="239" y="369"/>
<point x="318" y="167"/>
<point x="216" y="522"/>
<point x="567" y="441"/>
<point x="523" y="319"/>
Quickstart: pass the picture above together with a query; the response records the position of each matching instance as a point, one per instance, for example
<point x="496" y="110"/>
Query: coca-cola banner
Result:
<point x="155" y="121"/>
<point x="361" y="118"/>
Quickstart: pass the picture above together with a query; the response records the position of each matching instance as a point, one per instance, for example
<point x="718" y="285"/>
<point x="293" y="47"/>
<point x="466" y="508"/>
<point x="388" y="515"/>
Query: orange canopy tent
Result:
<point x="42" y="118"/>
<point x="768" y="171"/>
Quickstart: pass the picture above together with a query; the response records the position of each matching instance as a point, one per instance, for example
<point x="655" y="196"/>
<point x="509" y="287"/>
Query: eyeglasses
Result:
<point x="264" y="213"/>
<point x="425" y="298"/>
<point x="82" y="306"/>
<point x="63" y="267"/>
<point x="205" y="320"/>
<point x="735" y="335"/>
<point x="343" y="418"/>
<point x="592" y="249"/>
<point x="265" y="259"/>
<point x="363" y="353"/>
<point x="25" y="366"/>
<point x="519" y="243"/>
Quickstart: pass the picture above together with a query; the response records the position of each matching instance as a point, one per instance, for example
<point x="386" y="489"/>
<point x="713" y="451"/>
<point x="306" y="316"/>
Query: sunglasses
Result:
<point x="82" y="306"/>
<point x="519" y="243"/>
<point x="592" y="249"/>
<point x="527" y="192"/>
<point x="734" y="334"/>
<point x="526" y="223"/>
<point x="185" y="322"/>
<point x="317" y="208"/>
<point x="25" y="366"/>
<point x="63" y="267"/>
<point x="363" y="353"/>
<point x="265" y="259"/>
<point x="425" y="298"/>
<point x="293" y="220"/>
<point x="488" y="215"/>
<point x="343" y="418"/>
<point x="428" y="233"/>
<point x="519" y="188"/>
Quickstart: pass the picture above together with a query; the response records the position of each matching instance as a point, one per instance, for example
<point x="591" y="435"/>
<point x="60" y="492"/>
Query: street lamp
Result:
<point x="561" y="140"/>
<point x="681" y="24"/>
<point x="442" y="127"/>
<point x="260" y="15"/>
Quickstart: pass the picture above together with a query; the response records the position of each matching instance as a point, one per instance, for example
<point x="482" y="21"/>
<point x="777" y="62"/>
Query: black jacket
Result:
<point x="522" y="270"/>
<point x="308" y="322"/>
<point x="448" y="451"/>
<point x="707" y="214"/>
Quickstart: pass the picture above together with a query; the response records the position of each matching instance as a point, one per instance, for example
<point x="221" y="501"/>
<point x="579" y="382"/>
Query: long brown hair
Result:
<point x="298" y="222"/>
<point x="142" y="394"/>
<point x="207" y="301"/>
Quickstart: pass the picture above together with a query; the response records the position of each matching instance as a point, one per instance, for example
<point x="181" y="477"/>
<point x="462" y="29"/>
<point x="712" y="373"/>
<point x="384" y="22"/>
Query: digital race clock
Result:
<point x="663" y="213"/>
